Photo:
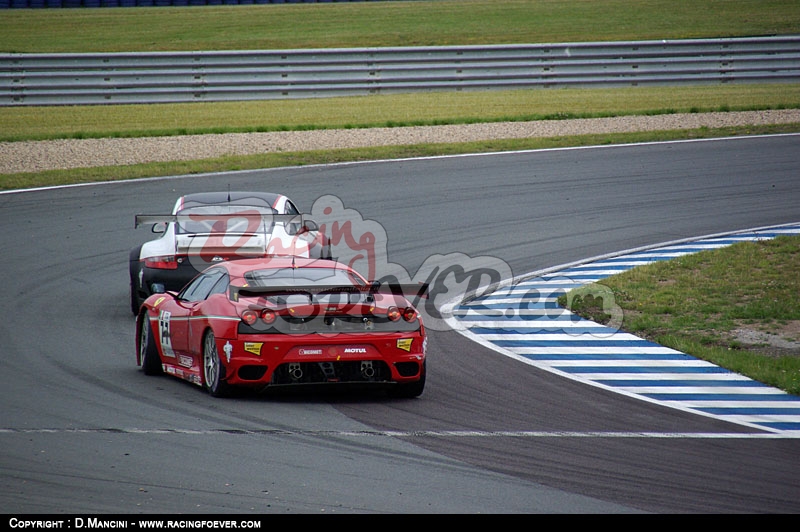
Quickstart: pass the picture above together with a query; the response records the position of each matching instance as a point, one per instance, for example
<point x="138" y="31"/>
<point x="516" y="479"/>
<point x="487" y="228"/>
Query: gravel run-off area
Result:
<point x="35" y="156"/>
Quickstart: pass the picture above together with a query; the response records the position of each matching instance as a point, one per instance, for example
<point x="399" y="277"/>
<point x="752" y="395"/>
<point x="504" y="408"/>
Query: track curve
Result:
<point x="522" y="320"/>
<point x="84" y="431"/>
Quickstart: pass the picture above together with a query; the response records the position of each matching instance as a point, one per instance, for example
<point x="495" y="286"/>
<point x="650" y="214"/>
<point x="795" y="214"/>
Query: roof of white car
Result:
<point x="266" y="199"/>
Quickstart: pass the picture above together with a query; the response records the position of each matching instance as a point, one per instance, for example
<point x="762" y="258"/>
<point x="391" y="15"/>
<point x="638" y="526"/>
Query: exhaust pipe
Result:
<point x="295" y="372"/>
<point x="367" y="371"/>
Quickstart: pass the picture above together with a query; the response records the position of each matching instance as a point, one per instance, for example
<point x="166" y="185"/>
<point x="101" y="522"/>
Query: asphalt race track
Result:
<point x="84" y="431"/>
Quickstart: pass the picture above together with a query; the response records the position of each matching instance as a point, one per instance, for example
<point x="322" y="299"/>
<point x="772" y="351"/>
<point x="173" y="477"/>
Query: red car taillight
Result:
<point x="166" y="262"/>
<point x="250" y="316"/>
<point x="393" y="313"/>
<point x="267" y="316"/>
<point x="409" y="314"/>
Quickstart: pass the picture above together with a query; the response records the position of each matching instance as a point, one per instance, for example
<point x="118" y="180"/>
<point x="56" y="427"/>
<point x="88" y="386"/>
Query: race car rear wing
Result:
<point x="146" y="219"/>
<point x="407" y="290"/>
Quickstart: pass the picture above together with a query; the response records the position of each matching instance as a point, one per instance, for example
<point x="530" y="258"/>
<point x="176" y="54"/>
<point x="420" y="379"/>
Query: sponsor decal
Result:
<point x="253" y="347"/>
<point x="183" y="360"/>
<point x="360" y="350"/>
<point x="159" y="301"/>
<point x="404" y="344"/>
<point x="228" y="348"/>
<point x="303" y="351"/>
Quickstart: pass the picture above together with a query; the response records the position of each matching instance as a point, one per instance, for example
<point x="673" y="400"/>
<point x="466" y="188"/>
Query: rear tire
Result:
<point x="136" y="303"/>
<point x="133" y="269"/>
<point x="213" y="370"/>
<point x="409" y="390"/>
<point x="146" y="344"/>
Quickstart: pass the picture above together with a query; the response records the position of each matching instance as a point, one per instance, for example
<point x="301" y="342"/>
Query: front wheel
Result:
<point x="213" y="370"/>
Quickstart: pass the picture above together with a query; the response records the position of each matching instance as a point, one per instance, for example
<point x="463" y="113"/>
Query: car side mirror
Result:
<point x="307" y="227"/>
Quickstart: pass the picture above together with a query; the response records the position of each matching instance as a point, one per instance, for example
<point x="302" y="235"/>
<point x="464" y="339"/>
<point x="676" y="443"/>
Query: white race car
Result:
<point x="211" y="227"/>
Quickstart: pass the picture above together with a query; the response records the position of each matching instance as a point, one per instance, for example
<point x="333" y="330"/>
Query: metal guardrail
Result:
<point x="171" y="77"/>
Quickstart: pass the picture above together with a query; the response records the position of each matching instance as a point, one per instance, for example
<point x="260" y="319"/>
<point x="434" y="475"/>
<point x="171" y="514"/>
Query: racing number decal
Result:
<point x="164" y="336"/>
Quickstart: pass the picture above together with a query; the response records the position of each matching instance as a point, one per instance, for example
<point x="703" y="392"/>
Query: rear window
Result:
<point x="204" y="221"/>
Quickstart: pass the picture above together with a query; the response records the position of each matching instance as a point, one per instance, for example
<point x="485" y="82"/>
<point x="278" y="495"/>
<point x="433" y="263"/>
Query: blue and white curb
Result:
<point x="522" y="320"/>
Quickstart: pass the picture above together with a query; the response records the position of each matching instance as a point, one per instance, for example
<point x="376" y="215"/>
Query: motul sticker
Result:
<point x="354" y="350"/>
<point x="253" y="347"/>
<point x="404" y="344"/>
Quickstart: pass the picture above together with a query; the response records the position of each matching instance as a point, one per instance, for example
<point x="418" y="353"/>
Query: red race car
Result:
<point x="285" y="321"/>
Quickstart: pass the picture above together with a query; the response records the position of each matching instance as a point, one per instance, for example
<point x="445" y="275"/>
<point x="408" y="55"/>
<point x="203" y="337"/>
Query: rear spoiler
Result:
<point x="414" y="291"/>
<point x="144" y="219"/>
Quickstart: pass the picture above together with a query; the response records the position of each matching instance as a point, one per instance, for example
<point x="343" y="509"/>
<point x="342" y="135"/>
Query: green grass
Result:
<point x="357" y="24"/>
<point x="87" y="121"/>
<point x="695" y="303"/>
